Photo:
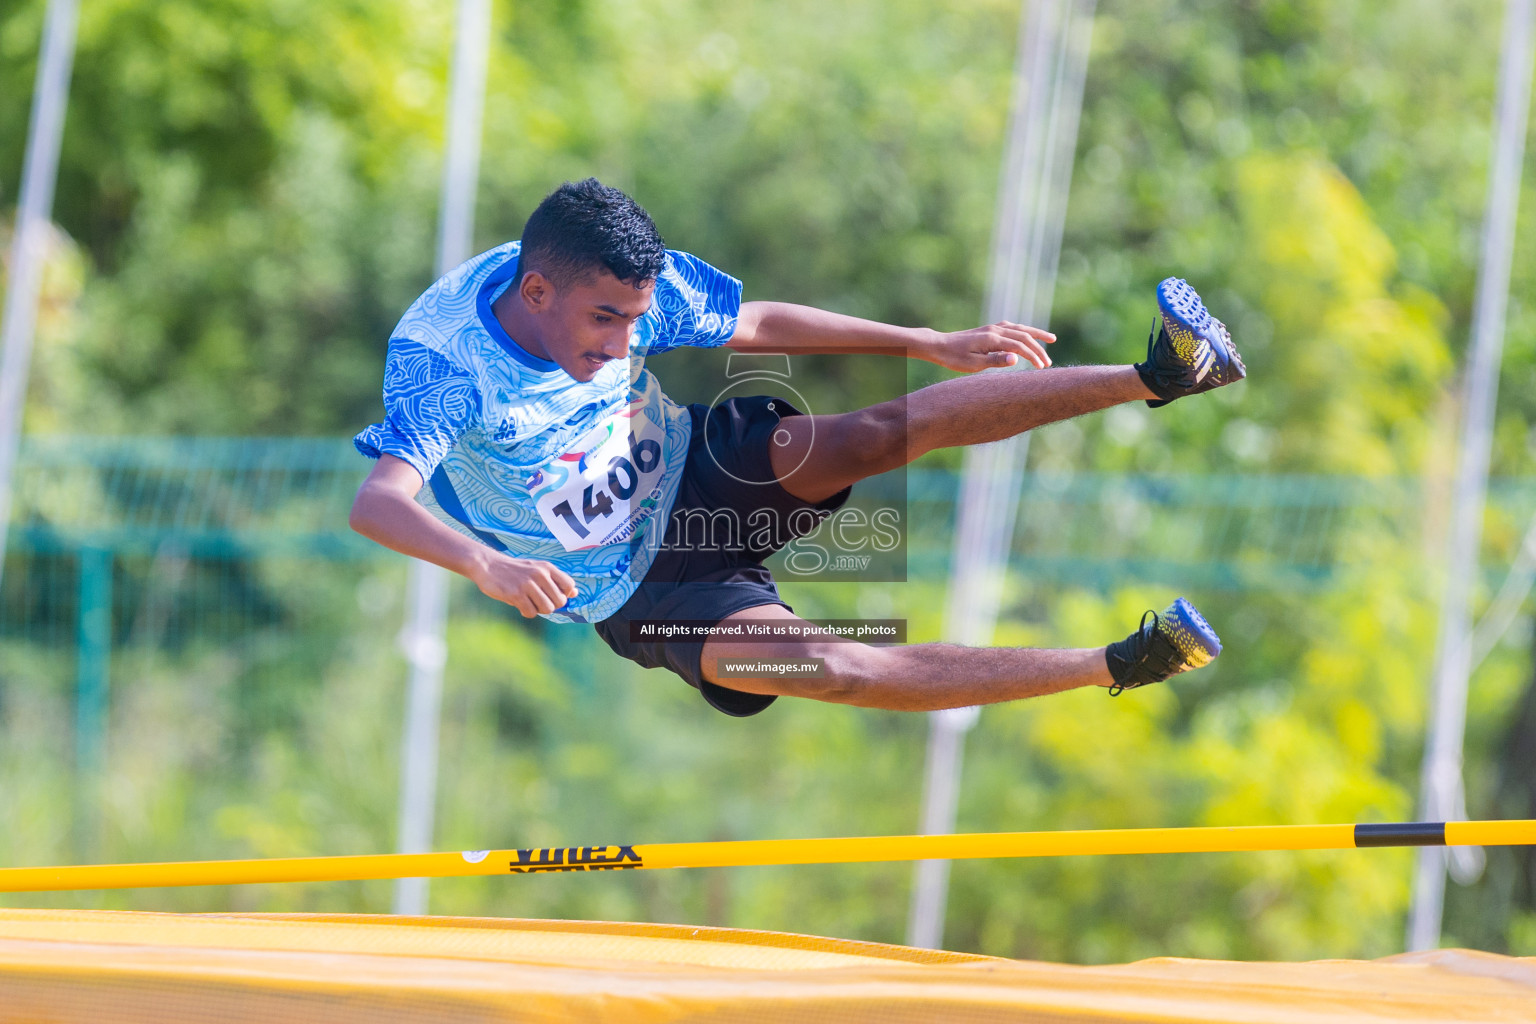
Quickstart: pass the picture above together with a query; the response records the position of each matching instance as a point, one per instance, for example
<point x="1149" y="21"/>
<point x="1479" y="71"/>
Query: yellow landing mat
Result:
<point x="104" y="967"/>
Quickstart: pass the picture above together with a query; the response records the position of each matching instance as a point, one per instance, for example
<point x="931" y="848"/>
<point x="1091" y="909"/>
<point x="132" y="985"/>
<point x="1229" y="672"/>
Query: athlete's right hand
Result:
<point x="531" y="586"/>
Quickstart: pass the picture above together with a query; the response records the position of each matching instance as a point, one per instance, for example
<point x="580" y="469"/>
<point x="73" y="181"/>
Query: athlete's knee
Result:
<point x="877" y="438"/>
<point x="845" y="675"/>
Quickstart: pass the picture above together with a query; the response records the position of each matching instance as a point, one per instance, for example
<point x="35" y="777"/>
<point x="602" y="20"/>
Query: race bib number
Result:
<point x="605" y="490"/>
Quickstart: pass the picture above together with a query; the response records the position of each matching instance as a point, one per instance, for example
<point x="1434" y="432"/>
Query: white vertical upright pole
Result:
<point x="422" y="639"/>
<point x="1442" y="795"/>
<point x="34" y="206"/>
<point x="426" y="651"/>
<point x="1026" y="244"/>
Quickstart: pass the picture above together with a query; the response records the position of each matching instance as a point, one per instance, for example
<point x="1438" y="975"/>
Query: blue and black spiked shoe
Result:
<point x="1190" y="351"/>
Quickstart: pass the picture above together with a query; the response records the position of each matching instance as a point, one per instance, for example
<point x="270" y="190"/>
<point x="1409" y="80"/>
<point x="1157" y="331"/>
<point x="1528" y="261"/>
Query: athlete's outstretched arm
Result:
<point x="802" y="330"/>
<point x="385" y="510"/>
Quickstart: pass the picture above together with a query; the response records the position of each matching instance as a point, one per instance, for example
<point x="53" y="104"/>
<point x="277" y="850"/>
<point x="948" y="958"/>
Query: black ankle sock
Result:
<point x="1123" y="655"/>
<point x="1149" y="379"/>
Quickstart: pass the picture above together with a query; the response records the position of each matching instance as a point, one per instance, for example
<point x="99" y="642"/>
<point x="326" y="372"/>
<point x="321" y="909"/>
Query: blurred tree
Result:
<point x="252" y="184"/>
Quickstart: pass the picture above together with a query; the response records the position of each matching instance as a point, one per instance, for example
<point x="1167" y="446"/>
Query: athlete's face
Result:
<point x="589" y="322"/>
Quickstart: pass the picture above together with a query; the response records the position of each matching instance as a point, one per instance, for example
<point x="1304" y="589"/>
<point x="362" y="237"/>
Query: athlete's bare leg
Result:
<point x="814" y="457"/>
<point x="918" y="677"/>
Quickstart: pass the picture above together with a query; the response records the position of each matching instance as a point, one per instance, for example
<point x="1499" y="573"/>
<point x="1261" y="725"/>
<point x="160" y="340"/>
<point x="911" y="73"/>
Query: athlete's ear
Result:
<point x="538" y="291"/>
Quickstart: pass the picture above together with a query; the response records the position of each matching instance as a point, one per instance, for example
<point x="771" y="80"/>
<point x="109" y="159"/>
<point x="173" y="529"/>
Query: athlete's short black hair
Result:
<point x="584" y="227"/>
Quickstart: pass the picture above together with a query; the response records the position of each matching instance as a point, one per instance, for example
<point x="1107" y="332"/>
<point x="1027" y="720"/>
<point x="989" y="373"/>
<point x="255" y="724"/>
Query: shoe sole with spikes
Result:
<point x="1193" y="352"/>
<point x="1193" y="637"/>
<point x="1177" y="640"/>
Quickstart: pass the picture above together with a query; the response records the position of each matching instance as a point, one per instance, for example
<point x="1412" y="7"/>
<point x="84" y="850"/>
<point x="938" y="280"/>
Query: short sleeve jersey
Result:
<point x="521" y="456"/>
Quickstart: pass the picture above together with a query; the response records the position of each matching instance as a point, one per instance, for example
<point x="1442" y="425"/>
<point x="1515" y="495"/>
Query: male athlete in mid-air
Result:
<point x="526" y="447"/>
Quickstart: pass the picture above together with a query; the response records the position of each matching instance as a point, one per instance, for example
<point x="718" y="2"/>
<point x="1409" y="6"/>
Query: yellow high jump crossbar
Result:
<point x="1248" y="838"/>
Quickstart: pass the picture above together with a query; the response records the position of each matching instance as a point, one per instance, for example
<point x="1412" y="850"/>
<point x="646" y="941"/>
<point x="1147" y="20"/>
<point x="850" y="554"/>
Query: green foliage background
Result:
<point x="247" y="202"/>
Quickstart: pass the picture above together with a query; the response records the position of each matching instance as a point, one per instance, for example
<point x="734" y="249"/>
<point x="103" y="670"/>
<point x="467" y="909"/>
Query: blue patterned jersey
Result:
<point x="521" y="456"/>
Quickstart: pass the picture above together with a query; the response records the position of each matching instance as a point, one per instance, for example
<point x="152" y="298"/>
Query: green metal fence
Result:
<point x="138" y="540"/>
<point x="138" y="558"/>
<point x="166" y="542"/>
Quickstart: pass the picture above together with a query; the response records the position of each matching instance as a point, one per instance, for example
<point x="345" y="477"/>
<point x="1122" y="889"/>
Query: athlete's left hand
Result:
<point x="1000" y="344"/>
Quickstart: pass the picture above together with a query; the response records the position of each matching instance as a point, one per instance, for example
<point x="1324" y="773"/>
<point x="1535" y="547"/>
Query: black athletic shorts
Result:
<point x="712" y="562"/>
